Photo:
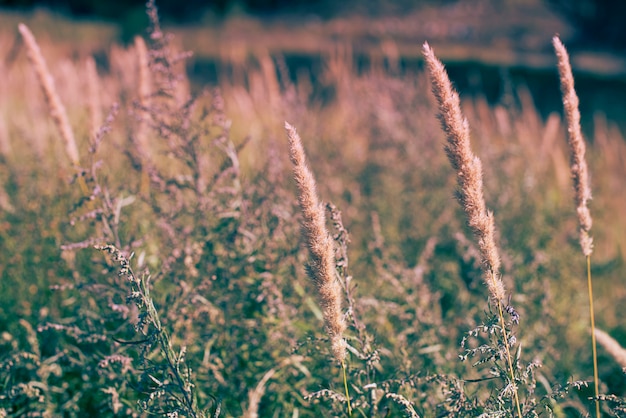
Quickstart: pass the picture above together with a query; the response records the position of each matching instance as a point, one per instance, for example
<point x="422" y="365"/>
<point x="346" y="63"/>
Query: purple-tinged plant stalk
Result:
<point x="580" y="176"/>
<point x="180" y="390"/>
<point x="470" y="192"/>
<point x="57" y="110"/>
<point x="321" y="250"/>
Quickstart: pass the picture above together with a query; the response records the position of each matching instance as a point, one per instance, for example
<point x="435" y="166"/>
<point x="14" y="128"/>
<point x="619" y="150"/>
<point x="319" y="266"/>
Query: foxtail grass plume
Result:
<point x="578" y="164"/>
<point x="321" y="249"/>
<point x="470" y="193"/>
<point x="57" y="110"/>
<point x="469" y="172"/>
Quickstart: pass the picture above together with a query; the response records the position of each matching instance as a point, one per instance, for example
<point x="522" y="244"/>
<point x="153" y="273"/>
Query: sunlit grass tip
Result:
<point x="580" y="177"/>
<point x="321" y="266"/>
<point x="469" y="172"/>
<point x="578" y="163"/>
<point x="470" y="192"/>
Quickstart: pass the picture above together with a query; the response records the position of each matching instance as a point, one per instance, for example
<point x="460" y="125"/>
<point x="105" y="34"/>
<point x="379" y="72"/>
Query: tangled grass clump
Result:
<point x="162" y="270"/>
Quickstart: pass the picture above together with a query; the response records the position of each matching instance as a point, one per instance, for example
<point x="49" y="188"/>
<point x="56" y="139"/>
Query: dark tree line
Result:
<point x="190" y="10"/>
<point x="598" y="22"/>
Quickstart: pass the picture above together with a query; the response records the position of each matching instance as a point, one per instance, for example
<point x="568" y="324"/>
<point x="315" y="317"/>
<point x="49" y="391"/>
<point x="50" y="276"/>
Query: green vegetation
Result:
<point x="162" y="269"/>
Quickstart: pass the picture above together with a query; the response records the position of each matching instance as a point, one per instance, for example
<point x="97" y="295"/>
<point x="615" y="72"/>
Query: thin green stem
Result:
<point x="508" y="357"/>
<point x="593" y="337"/>
<point x="345" y="386"/>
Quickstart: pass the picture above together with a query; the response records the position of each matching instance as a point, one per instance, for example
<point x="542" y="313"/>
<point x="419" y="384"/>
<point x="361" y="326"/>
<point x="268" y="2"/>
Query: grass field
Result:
<point x="158" y="256"/>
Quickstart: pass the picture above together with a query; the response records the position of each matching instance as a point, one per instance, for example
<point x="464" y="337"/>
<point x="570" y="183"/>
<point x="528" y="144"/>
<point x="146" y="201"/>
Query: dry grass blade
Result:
<point x="255" y="395"/>
<point x="612" y="347"/>
<point x="320" y="244"/>
<point x="57" y="110"/>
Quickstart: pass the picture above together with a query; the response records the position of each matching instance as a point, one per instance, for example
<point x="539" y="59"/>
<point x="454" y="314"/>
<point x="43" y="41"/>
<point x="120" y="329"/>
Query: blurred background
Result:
<point x="487" y="44"/>
<point x="596" y="21"/>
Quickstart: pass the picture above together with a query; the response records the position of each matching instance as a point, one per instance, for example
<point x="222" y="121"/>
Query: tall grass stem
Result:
<point x="470" y="192"/>
<point x="580" y="177"/>
<point x="345" y="386"/>
<point x="594" y="348"/>
<point x="321" y="267"/>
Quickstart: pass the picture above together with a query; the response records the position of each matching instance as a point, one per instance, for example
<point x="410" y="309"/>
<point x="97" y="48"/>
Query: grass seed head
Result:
<point x="57" y="110"/>
<point x="468" y="169"/>
<point x="320" y="244"/>
<point x="578" y="163"/>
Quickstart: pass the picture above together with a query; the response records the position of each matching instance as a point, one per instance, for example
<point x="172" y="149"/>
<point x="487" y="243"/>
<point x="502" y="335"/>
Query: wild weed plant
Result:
<point x="182" y="235"/>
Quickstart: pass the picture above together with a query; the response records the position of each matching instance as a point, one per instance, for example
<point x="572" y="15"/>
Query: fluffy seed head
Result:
<point x="468" y="169"/>
<point x="321" y="249"/>
<point x="578" y="164"/>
